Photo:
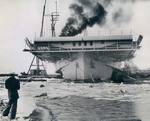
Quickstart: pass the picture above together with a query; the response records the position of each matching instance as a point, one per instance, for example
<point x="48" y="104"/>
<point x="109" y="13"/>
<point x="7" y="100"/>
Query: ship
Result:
<point x="84" y="57"/>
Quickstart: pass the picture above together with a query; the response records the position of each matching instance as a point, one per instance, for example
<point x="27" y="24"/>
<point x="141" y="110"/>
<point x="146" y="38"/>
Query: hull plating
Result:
<point x="84" y="67"/>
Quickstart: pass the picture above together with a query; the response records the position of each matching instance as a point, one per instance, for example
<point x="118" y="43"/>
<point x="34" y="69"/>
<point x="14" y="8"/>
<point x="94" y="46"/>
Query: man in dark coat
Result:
<point x="13" y="85"/>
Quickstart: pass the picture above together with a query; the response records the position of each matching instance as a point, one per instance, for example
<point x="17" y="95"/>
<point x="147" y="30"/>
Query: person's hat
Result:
<point x="13" y="74"/>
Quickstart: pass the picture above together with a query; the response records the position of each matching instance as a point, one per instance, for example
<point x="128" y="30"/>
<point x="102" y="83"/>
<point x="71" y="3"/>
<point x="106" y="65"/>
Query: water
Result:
<point x="112" y="101"/>
<point x="86" y="102"/>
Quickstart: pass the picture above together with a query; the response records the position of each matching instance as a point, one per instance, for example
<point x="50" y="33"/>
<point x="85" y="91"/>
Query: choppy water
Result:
<point x="88" y="102"/>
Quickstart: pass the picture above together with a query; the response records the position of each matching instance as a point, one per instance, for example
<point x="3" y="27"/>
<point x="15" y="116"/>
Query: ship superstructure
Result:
<point x="84" y="58"/>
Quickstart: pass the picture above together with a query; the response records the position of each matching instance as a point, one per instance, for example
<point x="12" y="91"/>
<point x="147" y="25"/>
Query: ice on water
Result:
<point x="137" y="93"/>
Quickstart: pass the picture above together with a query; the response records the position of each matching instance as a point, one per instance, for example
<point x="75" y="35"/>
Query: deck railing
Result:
<point x="117" y="46"/>
<point x="105" y="48"/>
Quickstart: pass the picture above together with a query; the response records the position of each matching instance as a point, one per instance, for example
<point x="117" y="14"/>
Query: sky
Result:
<point x="22" y="18"/>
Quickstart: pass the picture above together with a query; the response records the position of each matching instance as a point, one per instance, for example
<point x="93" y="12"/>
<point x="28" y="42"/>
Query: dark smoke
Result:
<point x="87" y="13"/>
<point x="81" y="20"/>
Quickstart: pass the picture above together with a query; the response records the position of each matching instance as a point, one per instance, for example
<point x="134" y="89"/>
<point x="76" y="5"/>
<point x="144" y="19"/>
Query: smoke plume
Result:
<point x="86" y="13"/>
<point x="80" y="20"/>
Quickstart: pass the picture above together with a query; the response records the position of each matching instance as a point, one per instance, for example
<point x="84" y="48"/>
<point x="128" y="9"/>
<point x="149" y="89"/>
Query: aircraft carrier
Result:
<point x="86" y="58"/>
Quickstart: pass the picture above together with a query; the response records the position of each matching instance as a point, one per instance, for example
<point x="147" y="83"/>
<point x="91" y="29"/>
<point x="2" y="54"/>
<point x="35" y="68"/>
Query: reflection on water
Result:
<point x="87" y="102"/>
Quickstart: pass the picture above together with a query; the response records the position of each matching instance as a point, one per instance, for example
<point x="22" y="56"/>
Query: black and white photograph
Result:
<point x="74" y="60"/>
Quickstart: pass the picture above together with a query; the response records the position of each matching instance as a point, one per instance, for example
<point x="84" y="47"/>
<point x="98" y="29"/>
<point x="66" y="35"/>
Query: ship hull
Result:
<point x="85" y="68"/>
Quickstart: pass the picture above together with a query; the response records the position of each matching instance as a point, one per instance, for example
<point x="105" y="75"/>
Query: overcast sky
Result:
<point x="22" y="18"/>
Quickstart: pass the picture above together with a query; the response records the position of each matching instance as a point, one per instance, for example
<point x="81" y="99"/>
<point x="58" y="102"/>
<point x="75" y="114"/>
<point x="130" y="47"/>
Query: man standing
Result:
<point x="13" y="85"/>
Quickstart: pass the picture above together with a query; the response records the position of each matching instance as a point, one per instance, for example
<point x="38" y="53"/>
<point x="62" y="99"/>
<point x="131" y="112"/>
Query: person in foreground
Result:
<point x="12" y="85"/>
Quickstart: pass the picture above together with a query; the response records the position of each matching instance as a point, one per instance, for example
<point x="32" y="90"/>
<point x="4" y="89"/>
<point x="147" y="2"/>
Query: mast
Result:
<point x="41" y="33"/>
<point x="54" y="19"/>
